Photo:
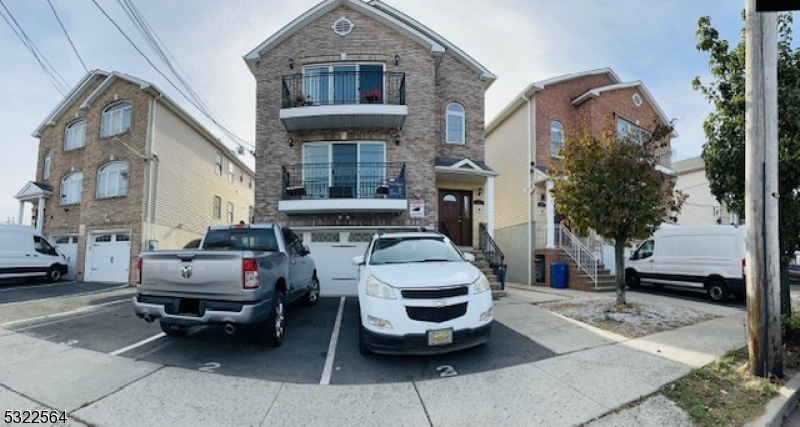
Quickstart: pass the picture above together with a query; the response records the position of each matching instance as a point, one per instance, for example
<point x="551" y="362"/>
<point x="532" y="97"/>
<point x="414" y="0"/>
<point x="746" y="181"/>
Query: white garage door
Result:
<point x="108" y="257"/>
<point x="333" y="252"/>
<point x="68" y="246"/>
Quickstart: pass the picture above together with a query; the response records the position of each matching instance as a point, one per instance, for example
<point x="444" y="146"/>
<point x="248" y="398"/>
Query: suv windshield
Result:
<point x="396" y="250"/>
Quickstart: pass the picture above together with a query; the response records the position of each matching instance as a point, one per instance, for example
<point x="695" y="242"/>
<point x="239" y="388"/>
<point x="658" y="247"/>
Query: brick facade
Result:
<point x="429" y="85"/>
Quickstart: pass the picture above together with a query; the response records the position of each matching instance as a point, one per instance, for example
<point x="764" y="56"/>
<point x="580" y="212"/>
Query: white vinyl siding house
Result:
<point x="700" y="207"/>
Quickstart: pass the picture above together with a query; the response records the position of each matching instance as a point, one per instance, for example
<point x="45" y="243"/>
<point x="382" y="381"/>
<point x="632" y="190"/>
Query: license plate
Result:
<point x="440" y="337"/>
<point x="189" y="307"/>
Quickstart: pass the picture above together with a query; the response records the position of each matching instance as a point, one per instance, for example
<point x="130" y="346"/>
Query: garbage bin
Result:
<point x="558" y="275"/>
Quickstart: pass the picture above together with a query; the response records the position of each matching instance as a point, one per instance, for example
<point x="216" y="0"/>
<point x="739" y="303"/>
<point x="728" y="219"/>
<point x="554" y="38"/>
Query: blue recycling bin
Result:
<point x="558" y="275"/>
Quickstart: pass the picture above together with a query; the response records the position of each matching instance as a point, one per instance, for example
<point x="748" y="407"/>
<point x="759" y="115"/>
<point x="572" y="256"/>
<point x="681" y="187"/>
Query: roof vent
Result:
<point x="637" y="100"/>
<point x="343" y="26"/>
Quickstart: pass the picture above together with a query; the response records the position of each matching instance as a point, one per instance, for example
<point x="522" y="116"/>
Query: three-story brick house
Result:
<point x="367" y="119"/>
<point x="124" y="168"/>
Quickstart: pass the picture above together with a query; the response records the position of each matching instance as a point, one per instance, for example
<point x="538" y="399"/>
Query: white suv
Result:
<point x="418" y="294"/>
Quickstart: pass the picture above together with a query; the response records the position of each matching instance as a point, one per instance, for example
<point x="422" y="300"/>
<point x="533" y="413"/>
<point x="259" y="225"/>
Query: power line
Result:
<point x="65" y="33"/>
<point x="191" y="101"/>
<point x="50" y="71"/>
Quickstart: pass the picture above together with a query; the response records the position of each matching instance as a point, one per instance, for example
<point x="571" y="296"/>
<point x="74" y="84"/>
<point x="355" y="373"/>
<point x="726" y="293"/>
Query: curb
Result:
<point x="779" y="408"/>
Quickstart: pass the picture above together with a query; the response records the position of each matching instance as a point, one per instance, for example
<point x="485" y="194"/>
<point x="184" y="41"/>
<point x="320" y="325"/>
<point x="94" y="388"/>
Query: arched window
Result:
<point x="116" y="119"/>
<point x="556" y="138"/>
<point x="71" y="188"/>
<point x="112" y="180"/>
<point x="75" y="135"/>
<point x="46" y="165"/>
<point x="454" y="123"/>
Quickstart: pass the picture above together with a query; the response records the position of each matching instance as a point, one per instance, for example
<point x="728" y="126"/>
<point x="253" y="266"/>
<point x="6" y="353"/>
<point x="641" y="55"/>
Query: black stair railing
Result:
<point x="343" y="87"/>
<point x="493" y="254"/>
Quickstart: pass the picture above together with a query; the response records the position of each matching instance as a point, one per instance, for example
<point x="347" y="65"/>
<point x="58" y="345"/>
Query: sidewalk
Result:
<point x="593" y="373"/>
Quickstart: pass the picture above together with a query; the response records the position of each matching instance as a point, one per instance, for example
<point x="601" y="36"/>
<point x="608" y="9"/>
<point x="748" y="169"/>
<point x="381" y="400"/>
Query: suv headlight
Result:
<point x="378" y="289"/>
<point x="482" y="284"/>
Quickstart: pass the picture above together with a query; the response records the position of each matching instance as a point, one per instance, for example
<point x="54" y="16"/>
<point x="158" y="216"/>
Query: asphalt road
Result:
<point x="113" y="328"/>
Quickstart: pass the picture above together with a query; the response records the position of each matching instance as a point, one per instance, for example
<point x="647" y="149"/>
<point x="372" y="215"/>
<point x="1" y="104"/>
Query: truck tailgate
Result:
<point x="194" y="274"/>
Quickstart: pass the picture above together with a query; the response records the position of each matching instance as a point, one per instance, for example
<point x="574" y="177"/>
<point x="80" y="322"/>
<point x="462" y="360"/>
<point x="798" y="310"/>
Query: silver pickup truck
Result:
<point x="241" y="275"/>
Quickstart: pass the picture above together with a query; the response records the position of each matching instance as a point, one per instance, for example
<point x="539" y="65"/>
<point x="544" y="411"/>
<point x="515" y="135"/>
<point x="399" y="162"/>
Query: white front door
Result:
<point x="108" y="257"/>
<point x="67" y="246"/>
<point x="333" y="252"/>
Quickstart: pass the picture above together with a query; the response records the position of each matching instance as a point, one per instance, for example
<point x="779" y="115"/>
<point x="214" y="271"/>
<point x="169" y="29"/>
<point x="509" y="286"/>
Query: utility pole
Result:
<point x="762" y="263"/>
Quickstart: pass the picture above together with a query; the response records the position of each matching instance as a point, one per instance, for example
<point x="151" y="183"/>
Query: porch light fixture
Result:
<point x="480" y="191"/>
<point x="291" y="63"/>
<point x="397" y="139"/>
<point x="397" y="60"/>
<point x="291" y="142"/>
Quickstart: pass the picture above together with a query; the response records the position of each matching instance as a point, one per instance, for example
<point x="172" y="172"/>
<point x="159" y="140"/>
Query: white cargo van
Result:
<point x="702" y="257"/>
<point x="25" y="254"/>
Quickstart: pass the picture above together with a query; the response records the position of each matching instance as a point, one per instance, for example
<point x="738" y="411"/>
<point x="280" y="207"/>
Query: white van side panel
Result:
<point x="18" y="255"/>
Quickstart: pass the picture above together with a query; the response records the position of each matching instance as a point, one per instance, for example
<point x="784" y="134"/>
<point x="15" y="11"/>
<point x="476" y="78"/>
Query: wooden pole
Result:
<point x="761" y="190"/>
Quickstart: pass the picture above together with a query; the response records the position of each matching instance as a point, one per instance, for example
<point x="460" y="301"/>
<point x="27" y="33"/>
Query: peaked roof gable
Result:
<point x="34" y="189"/>
<point x="68" y="100"/>
<point x="595" y="92"/>
<point x="381" y="12"/>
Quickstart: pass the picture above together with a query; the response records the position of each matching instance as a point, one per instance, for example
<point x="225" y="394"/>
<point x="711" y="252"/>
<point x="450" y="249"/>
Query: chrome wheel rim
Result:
<point x="279" y="320"/>
<point x="716" y="293"/>
<point x="314" y="293"/>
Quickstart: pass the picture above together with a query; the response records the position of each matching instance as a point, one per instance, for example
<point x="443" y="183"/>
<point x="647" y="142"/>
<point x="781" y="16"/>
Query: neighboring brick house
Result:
<point x="522" y="145"/>
<point x="114" y="146"/>
<point x="700" y="206"/>
<point x="367" y="119"/>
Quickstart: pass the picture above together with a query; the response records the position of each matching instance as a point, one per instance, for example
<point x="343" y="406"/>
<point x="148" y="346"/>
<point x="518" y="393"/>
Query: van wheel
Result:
<point x="717" y="290"/>
<point x="632" y="279"/>
<point x="53" y="274"/>
<point x="271" y="331"/>
<point x="172" y="329"/>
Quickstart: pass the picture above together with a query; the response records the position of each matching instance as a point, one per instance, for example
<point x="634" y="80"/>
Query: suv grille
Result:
<point x="435" y="293"/>
<point x="438" y="315"/>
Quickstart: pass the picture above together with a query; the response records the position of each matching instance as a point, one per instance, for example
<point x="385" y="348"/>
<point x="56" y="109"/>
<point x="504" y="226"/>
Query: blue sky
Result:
<point x="521" y="41"/>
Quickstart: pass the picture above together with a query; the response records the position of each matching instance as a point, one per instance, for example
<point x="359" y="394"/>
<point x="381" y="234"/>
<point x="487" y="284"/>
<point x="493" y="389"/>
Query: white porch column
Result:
<point x="551" y="216"/>
<point x="21" y="211"/>
<point x="40" y="214"/>
<point x="490" y="205"/>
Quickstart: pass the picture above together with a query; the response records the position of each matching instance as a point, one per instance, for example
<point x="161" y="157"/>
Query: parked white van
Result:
<point x="703" y="257"/>
<point x="25" y="254"/>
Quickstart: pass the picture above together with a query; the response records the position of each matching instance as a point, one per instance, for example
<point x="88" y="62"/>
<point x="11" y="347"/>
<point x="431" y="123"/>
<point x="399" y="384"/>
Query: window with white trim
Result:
<point x="116" y="119"/>
<point x="455" y="125"/>
<point x="230" y="212"/>
<point x="217" y="207"/>
<point x="112" y="180"/>
<point x="71" y="186"/>
<point x="630" y="130"/>
<point x="46" y="166"/>
<point x="218" y="163"/>
<point x="231" y="171"/>
<point x="75" y="135"/>
<point x="556" y="138"/>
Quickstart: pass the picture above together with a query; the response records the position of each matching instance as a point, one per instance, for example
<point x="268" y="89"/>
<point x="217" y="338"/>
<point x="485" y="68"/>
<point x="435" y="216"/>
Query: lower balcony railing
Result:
<point x="344" y="181"/>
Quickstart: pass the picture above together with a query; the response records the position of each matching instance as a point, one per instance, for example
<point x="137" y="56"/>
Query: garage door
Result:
<point x="68" y="246"/>
<point x="108" y="257"/>
<point x="333" y="252"/>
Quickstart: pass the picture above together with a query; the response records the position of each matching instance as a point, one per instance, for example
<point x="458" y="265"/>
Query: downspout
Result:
<point x="528" y="194"/>
<point x="148" y="235"/>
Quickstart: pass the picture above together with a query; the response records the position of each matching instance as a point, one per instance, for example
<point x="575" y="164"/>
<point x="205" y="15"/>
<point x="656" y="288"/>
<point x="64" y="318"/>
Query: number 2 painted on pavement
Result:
<point x="210" y="367"/>
<point x="446" y="371"/>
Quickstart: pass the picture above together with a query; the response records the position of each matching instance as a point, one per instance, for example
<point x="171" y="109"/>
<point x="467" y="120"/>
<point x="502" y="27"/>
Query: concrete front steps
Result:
<point x="580" y="280"/>
<point x="483" y="265"/>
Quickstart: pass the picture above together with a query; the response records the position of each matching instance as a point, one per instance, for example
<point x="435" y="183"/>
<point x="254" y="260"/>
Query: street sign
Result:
<point x="777" y="5"/>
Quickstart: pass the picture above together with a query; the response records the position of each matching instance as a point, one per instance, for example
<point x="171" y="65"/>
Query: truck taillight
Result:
<point x="249" y="273"/>
<point x="744" y="271"/>
<point x="139" y="271"/>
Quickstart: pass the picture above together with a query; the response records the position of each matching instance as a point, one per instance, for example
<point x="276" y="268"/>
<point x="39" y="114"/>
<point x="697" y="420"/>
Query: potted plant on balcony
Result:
<point x="287" y="103"/>
<point x="299" y="100"/>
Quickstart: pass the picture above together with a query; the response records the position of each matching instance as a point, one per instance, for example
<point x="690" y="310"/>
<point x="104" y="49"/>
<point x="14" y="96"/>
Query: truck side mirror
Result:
<point x="306" y="250"/>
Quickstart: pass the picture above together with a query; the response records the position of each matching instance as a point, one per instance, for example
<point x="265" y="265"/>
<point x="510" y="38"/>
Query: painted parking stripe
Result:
<point x="326" y="372"/>
<point x="65" y="313"/>
<point x="138" y="344"/>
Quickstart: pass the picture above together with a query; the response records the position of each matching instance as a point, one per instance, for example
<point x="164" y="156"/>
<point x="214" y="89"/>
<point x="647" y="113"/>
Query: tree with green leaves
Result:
<point x="611" y="184"/>
<point x="724" y="149"/>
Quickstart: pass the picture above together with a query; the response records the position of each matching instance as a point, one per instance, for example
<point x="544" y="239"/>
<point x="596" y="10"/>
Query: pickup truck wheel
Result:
<point x="172" y="329"/>
<point x="312" y="296"/>
<point x="271" y="331"/>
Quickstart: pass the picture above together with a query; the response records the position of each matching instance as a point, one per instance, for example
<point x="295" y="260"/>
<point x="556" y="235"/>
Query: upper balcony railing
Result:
<point x="343" y="88"/>
<point x="344" y="181"/>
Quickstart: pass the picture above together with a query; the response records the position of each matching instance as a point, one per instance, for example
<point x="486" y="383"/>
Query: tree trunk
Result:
<point x="619" y="263"/>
